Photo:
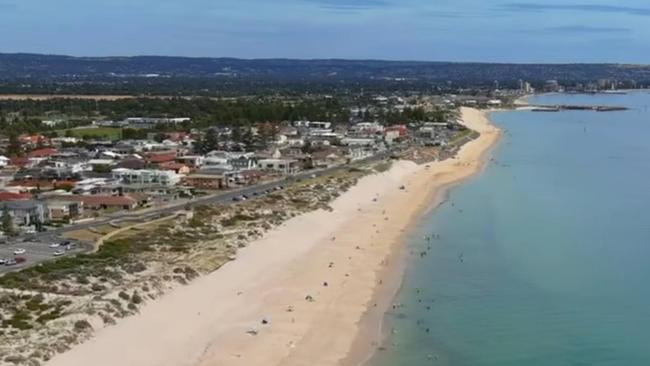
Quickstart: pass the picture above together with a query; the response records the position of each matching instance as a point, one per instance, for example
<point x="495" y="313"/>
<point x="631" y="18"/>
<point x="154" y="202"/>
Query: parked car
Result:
<point x="19" y="251"/>
<point x="58" y="253"/>
<point x="10" y="262"/>
<point x="3" y="261"/>
<point x="20" y="260"/>
<point x="55" y="245"/>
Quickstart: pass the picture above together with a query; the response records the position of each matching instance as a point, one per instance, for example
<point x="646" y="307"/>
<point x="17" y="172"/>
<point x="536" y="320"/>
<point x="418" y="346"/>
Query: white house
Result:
<point x="144" y="176"/>
<point x="284" y="166"/>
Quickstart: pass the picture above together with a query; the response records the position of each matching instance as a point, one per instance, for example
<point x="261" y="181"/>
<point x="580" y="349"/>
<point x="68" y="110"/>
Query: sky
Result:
<point x="429" y="30"/>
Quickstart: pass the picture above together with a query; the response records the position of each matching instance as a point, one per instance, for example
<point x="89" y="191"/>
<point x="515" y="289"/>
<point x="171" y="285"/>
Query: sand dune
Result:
<point x="313" y="280"/>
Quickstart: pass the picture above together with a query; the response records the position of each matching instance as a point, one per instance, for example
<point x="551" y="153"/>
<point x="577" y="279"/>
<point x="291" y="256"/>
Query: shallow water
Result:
<point x="543" y="259"/>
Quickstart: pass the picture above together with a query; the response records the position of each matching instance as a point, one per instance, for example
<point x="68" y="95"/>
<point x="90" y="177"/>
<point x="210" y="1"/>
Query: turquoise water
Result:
<point x="544" y="258"/>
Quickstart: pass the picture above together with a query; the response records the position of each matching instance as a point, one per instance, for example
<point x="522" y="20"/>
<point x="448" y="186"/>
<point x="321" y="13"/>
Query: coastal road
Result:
<point x="37" y="245"/>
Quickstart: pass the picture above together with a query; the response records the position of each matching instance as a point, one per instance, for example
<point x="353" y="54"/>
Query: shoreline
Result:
<point x="372" y="324"/>
<point x="303" y="292"/>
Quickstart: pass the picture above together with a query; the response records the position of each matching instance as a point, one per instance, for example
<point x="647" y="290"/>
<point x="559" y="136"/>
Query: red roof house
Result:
<point x="42" y="153"/>
<point x="11" y="196"/>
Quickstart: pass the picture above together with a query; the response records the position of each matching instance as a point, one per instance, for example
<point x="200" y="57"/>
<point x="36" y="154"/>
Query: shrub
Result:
<point x="82" y="325"/>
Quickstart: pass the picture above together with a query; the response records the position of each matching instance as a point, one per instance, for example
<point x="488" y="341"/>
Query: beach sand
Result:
<point x="321" y="281"/>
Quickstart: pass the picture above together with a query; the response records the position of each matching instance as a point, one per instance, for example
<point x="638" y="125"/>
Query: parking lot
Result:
<point x="36" y="250"/>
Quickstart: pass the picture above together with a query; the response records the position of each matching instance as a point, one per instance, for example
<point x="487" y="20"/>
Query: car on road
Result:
<point x="19" y="251"/>
<point x="10" y="262"/>
<point x="19" y="260"/>
<point x="3" y="261"/>
<point x="58" y="253"/>
<point x="55" y="245"/>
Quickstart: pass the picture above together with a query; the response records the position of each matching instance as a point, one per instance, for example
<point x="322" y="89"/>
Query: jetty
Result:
<point x="570" y="107"/>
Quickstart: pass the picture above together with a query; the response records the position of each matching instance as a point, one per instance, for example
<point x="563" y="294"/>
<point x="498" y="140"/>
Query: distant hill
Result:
<point x="51" y="67"/>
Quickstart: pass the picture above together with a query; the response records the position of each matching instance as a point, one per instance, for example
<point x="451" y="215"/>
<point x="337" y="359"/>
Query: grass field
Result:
<point x="94" y="132"/>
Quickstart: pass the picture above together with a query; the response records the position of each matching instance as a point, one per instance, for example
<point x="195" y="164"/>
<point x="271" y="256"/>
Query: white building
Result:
<point x="144" y="176"/>
<point x="349" y="141"/>
<point x="284" y="166"/>
<point x="367" y="128"/>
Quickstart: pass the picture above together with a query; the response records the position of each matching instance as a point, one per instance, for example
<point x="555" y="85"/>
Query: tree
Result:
<point x="102" y="168"/>
<point x="159" y="137"/>
<point x="267" y="134"/>
<point x="14" y="148"/>
<point x="7" y="222"/>
<point x="236" y="134"/>
<point x="248" y="139"/>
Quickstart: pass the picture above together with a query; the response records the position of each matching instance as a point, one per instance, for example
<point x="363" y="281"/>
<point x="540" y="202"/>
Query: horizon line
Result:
<point x="322" y="59"/>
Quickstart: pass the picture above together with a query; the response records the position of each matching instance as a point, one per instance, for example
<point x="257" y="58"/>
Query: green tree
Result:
<point x="7" y="222"/>
<point x="103" y="169"/>
<point x="14" y="148"/>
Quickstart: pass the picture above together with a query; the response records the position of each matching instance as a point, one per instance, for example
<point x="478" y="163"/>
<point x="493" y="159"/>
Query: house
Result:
<point x="358" y="153"/>
<point x="161" y="157"/>
<point x="26" y="212"/>
<point x="206" y="181"/>
<point x="248" y="177"/>
<point x="395" y="132"/>
<point x="431" y="129"/>
<point x="98" y="202"/>
<point x="145" y="176"/>
<point x="33" y="140"/>
<point x="283" y="166"/>
<point x="173" y="166"/>
<point x="194" y="161"/>
<point x="60" y="210"/>
<point x="366" y="129"/>
<point x="42" y="153"/>
<point x="325" y="158"/>
<point x="13" y="196"/>
<point x="243" y="162"/>
<point x="21" y="162"/>
<point x="348" y="141"/>
<point x="4" y="161"/>
<point x="132" y="163"/>
<point x="148" y="122"/>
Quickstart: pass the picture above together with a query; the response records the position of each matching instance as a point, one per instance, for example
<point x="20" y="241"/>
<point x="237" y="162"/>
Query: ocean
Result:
<point x="543" y="259"/>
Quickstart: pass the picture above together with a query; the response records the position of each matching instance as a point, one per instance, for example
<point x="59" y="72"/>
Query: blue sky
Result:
<point x="443" y="30"/>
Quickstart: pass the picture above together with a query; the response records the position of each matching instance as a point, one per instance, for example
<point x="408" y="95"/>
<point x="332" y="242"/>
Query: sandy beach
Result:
<point x="311" y="292"/>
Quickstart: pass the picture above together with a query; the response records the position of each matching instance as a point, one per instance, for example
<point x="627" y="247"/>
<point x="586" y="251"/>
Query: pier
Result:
<point x="568" y="107"/>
